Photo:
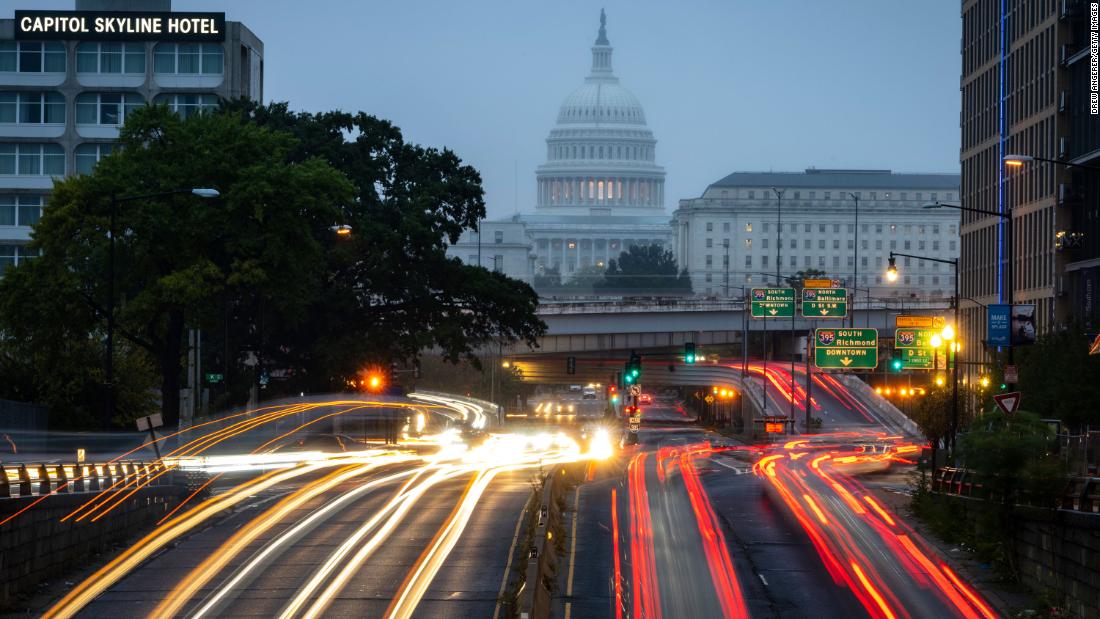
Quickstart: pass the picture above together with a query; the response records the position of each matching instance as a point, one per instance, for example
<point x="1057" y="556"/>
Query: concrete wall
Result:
<point x="1063" y="555"/>
<point x="36" y="546"/>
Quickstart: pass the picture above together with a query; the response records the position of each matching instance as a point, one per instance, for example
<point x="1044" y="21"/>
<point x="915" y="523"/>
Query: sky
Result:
<point x="727" y="85"/>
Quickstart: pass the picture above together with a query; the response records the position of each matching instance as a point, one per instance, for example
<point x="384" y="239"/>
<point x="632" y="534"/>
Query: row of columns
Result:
<point x="558" y="251"/>
<point x="601" y="191"/>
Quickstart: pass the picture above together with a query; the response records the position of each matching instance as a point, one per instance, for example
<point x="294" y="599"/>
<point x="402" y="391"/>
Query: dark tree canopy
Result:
<point x="259" y="269"/>
<point x="645" y="269"/>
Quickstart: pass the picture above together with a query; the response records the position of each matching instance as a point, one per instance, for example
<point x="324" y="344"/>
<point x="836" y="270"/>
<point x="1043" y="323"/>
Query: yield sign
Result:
<point x="1008" y="402"/>
<point x="1094" y="348"/>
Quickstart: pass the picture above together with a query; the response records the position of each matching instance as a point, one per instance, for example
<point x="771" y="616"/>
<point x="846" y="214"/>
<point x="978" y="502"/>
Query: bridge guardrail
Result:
<point x="25" y="480"/>
<point x="1082" y="494"/>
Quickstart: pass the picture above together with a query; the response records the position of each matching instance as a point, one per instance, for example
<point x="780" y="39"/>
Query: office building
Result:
<point x="66" y="86"/>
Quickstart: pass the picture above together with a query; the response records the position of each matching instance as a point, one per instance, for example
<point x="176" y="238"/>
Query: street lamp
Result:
<point x="892" y="271"/>
<point x="948" y="334"/>
<point x="341" y="230"/>
<point x="202" y="192"/>
<point x="855" y="263"/>
<point x="778" y="232"/>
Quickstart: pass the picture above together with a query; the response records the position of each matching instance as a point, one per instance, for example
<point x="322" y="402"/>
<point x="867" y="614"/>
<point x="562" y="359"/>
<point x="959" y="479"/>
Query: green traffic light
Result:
<point x="689" y="359"/>
<point x="634" y="373"/>
<point x="1003" y="386"/>
<point x="896" y="365"/>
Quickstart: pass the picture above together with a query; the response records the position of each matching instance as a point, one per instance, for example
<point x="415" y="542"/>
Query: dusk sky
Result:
<point x="726" y="85"/>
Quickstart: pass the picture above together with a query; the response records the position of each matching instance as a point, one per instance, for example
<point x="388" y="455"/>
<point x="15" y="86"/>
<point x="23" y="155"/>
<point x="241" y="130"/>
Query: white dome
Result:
<point x="601" y="100"/>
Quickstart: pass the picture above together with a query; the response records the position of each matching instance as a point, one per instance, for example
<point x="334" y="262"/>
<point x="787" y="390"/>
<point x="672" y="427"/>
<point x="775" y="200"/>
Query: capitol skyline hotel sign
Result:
<point x="120" y="26"/>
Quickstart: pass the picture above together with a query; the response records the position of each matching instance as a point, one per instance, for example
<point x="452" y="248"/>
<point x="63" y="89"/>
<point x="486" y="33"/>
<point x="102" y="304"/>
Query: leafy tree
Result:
<point x="177" y="256"/>
<point x="548" y="279"/>
<point x="585" y="280"/>
<point x="645" y="268"/>
<point x="390" y="290"/>
<point x="797" y="280"/>
<point x="1058" y="378"/>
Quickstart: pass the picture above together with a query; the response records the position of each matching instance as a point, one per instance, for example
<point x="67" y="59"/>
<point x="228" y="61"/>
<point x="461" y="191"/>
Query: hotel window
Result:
<point x="836" y="243"/>
<point x="186" y="105"/>
<point x="935" y="197"/>
<point x="32" y="108"/>
<point x="20" y="210"/>
<point x="765" y="226"/>
<point x="920" y="244"/>
<point x="794" y="261"/>
<point x="863" y="261"/>
<point x="827" y="195"/>
<point x="32" y="159"/>
<point x="908" y="229"/>
<point x="110" y="58"/>
<point x="764" y="243"/>
<point x="806" y="261"/>
<point x="794" y="243"/>
<point x="920" y="280"/>
<point x="904" y="195"/>
<point x="836" y="228"/>
<point x="87" y="155"/>
<point x="105" y="108"/>
<point x="935" y="280"/>
<point x="189" y="58"/>
<point x="919" y="194"/>
<point x="752" y="194"/>
<point x="706" y="278"/>
<point x="748" y="243"/>
<point x="572" y="245"/>
<point x="813" y="194"/>
<point x="936" y="229"/>
<point x="710" y="226"/>
<point x="763" y="261"/>
<point x="32" y="57"/>
<point x="807" y="228"/>
<point x="851" y="244"/>
<point x="821" y="228"/>
<point x="821" y="261"/>
<point x="710" y="260"/>
<point x="893" y="227"/>
<point x="908" y="244"/>
<point x="710" y="243"/>
<point x="878" y="244"/>
<point x="821" y="243"/>
<point x="878" y="279"/>
<point x="748" y="227"/>
<point x="851" y="228"/>
<point x="836" y="262"/>
<point x="878" y="228"/>
<point x="864" y="244"/>
<point x="952" y="229"/>
<point x="951" y="245"/>
<point x="725" y="226"/>
<point x="874" y="196"/>
<point x="851" y="260"/>
<point x="878" y="261"/>
<point x="796" y="195"/>
<point x="748" y="260"/>
<point x="920" y="229"/>
<point x="498" y="236"/>
<point x="893" y="244"/>
<point x="748" y="277"/>
<point x="806" y="244"/>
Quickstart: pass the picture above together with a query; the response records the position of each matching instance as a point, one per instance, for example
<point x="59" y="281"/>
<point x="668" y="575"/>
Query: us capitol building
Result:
<point x="599" y="192"/>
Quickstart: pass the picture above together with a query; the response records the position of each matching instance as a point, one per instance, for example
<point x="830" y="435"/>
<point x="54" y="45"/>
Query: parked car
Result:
<point x="589" y="393"/>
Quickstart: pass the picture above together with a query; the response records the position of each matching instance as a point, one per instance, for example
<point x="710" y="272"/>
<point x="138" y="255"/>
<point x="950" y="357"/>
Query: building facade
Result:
<point x="502" y="246"/>
<point x="1025" y="91"/>
<point x="62" y="99"/>
<point x="740" y="233"/>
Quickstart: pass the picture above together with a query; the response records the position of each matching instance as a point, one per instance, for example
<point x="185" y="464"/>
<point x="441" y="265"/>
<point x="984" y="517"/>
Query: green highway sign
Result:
<point x="846" y="348"/>
<point x="773" y="302"/>
<point x="214" y="378"/>
<point x="825" y="302"/>
<point x="915" y="347"/>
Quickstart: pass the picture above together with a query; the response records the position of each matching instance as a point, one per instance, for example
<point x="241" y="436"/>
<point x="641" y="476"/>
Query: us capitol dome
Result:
<point x="600" y="156"/>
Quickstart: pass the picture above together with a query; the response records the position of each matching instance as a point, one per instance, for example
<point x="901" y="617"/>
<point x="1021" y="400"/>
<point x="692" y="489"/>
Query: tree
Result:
<point x="177" y="257"/>
<point x="390" y="290"/>
<point x="548" y="279"/>
<point x="585" y="280"/>
<point x="1058" y="377"/>
<point x="645" y="268"/>
<point x="798" y="279"/>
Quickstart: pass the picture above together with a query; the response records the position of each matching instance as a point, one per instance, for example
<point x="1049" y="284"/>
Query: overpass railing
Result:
<point x="642" y="305"/>
<point x="42" y="479"/>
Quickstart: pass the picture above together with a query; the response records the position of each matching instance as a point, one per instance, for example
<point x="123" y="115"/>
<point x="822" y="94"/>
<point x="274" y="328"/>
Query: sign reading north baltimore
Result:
<point x="119" y="26"/>
<point x="825" y="302"/>
<point x="916" y="348"/>
<point x="772" y="302"/>
<point x="846" y="348"/>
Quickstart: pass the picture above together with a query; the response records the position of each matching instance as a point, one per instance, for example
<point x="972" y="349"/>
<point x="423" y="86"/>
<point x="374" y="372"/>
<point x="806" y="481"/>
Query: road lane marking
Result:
<point x="508" y="564"/>
<point x="763" y="580"/>
<point x="739" y="471"/>
<point x="572" y="550"/>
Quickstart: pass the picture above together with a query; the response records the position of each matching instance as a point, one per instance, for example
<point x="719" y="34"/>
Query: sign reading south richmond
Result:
<point x="120" y="26"/>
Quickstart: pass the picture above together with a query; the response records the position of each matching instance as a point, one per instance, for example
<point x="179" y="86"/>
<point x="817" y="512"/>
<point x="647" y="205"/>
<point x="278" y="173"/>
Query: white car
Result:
<point x="589" y="393"/>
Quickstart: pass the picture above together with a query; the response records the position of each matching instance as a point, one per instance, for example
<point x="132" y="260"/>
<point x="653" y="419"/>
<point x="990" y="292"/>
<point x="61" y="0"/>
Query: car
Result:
<point x="589" y="393"/>
<point x="574" y="388"/>
<point x="645" y="398"/>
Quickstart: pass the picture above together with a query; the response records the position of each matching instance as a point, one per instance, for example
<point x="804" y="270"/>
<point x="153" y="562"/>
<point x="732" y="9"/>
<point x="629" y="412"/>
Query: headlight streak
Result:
<point x="209" y="568"/>
<point x="121" y="565"/>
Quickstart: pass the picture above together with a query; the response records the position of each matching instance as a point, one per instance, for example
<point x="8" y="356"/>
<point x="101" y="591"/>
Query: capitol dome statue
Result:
<point x="600" y="154"/>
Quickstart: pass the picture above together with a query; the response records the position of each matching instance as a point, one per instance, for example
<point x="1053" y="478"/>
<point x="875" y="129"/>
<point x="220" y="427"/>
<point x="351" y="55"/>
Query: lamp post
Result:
<point x="947" y="334"/>
<point x="109" y="369"/>
<point x="726" y="244"/>
<point x="778" y="232"/>
<point x="855" y="262"/>
<point x="1010" y="280"/>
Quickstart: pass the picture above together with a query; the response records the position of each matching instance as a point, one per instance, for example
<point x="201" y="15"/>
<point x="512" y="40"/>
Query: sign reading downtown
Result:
<point x="119" y="26"/>
<point x="772" y="302"/>
<point x="825" y="302"/>
<point x="846" y="348"/>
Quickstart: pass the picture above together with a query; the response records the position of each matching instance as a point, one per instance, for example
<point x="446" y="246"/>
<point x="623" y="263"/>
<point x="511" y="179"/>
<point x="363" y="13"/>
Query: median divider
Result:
<point x="544" y="543"/>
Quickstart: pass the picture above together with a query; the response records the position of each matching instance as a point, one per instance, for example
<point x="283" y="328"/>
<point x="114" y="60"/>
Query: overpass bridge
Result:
<point x="595" y="326"/>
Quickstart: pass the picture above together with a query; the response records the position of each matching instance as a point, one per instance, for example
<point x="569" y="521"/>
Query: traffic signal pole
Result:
<point x="809" y="374"/>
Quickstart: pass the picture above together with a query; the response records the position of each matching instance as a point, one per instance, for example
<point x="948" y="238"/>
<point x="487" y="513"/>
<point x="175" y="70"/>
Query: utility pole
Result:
<point x="809" y="374"/>
<point x="855" y="264"/>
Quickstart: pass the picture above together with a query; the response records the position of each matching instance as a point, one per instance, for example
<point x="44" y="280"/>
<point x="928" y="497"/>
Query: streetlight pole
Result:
<point x="778" y="232"/>
<point x="726" y="243"/>
<point x="1010" y="280"/>
<point x="109" y="364"/>
<point x="954" y="353"/>
<point x="855" y="263"/>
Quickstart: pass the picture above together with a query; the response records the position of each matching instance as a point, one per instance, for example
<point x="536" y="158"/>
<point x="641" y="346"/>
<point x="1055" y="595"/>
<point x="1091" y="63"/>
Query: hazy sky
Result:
<point x="726" y="85"/>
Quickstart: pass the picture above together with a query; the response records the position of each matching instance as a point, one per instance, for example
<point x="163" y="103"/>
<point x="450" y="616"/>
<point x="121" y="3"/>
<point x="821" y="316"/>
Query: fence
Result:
<point x="43" y="479"/>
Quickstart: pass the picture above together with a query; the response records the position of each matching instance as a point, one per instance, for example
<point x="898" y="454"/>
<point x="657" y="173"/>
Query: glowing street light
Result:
<point x="935" y="341"/>
<point x="892" y="271"/>
<point x="948" y="333"/>
<point x="1017" y="160"/>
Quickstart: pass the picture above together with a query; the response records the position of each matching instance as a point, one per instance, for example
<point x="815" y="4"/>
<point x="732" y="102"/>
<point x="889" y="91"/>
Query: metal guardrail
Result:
<point x="1082" y="494"/>
<point x="43" y="479"/>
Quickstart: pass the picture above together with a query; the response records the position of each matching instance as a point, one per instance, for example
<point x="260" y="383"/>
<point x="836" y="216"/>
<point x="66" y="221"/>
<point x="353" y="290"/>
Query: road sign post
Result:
<point x="846" y="348"/>
<point x="155" y="420"/>
<point x="825" y="302"/>
<point x="773" y="302"/>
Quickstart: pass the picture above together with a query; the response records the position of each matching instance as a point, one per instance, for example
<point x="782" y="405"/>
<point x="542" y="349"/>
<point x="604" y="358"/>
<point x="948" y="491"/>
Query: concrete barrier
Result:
<point x="37" y="546"/>
<point x="534" y="599"/>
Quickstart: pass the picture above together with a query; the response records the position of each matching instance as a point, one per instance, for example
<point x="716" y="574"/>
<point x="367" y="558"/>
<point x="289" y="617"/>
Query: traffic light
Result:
<point x="634" y="367"/>
<point x="689" y="353"/>
<point x="570" y="365"/>
<point x="896" y="364"/>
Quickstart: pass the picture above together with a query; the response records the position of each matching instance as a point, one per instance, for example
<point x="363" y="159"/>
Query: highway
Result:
<point x="687" y="523"/>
